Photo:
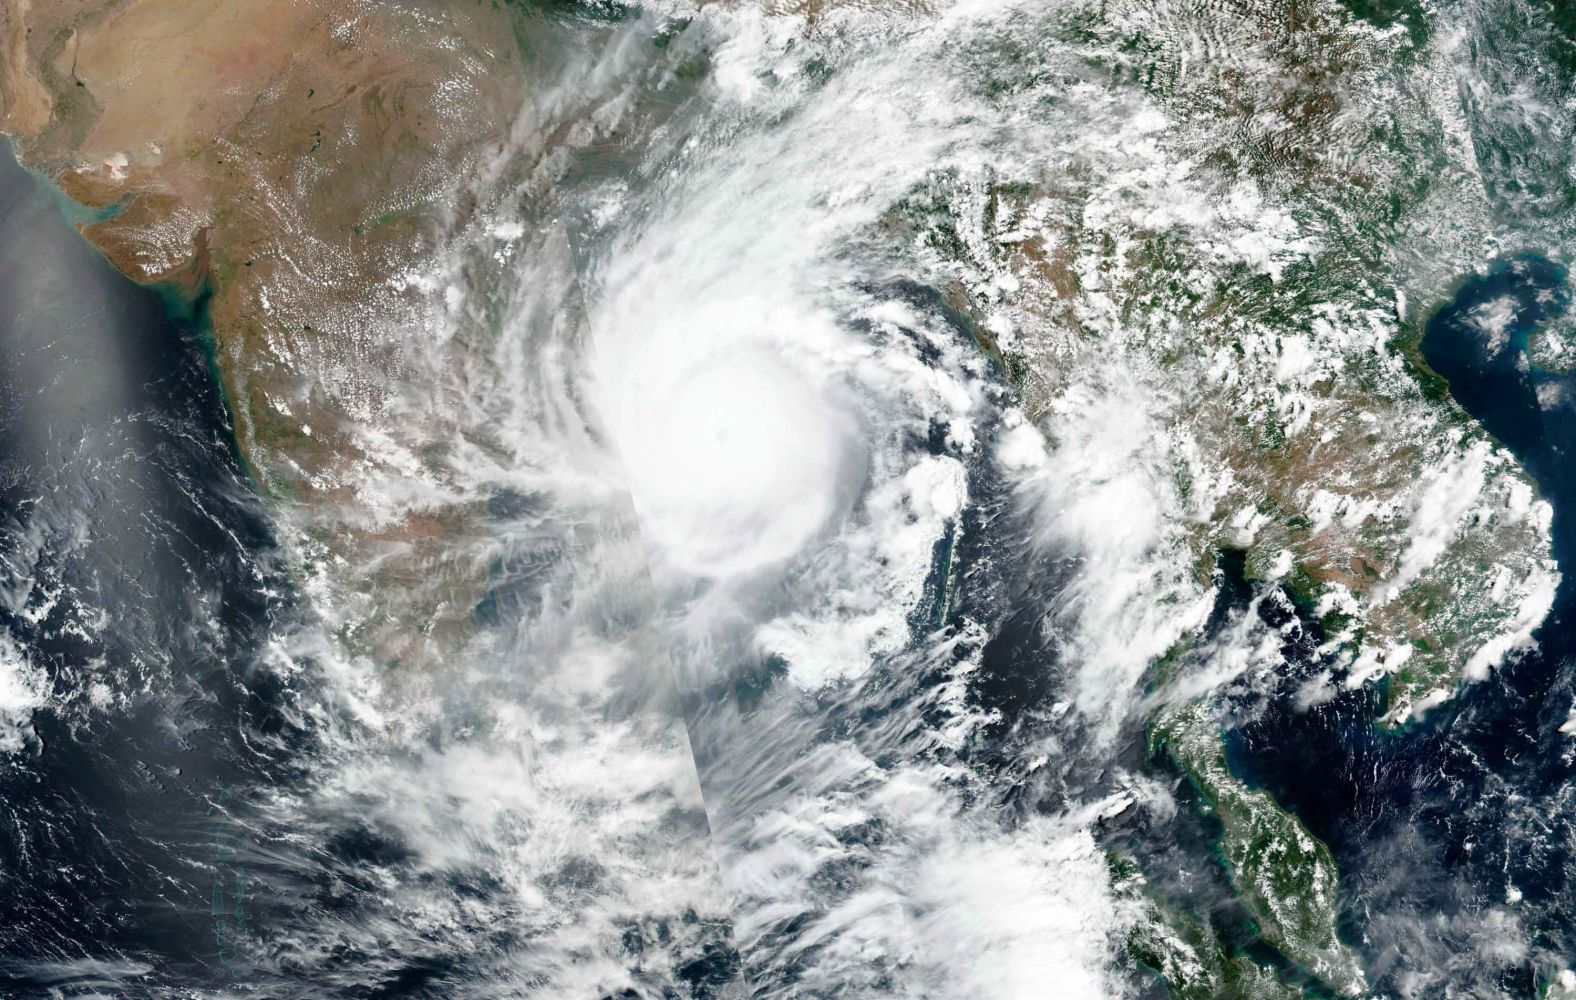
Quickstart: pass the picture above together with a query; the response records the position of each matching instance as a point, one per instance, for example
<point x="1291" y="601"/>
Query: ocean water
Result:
<point x="135" y="595"/>
<point x="1454" y="835"/>
<point x="807" y="666"/>
<point x="191" y="804"/>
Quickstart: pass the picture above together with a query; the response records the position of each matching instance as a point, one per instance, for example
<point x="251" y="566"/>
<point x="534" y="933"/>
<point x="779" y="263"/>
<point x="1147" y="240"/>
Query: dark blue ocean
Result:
<point x="1434" y="824"/>
<point x="134" y="557"/>
<point x="135" y="575"/>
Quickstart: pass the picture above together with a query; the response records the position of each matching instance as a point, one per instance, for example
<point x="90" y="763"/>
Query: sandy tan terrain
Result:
<point x="283" y="157"/>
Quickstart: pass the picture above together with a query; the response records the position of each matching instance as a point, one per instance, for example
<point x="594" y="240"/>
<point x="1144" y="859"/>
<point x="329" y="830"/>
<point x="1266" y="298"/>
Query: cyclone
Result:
<point x="854" y="499"/>
<point x="735" y="459"/>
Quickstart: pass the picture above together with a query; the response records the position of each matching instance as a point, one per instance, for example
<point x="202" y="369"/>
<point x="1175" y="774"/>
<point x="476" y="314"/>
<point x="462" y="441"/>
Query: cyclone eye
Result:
<point x="736" y="458"/>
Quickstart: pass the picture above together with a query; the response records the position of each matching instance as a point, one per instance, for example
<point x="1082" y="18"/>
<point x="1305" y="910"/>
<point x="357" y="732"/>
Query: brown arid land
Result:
<point x="277" y="162"/>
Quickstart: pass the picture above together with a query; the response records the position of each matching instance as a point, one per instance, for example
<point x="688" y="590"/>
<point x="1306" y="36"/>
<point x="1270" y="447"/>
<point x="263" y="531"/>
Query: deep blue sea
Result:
<point x="138" y="568"/>
<point x="1458" y="828"/>
<point x="135" y="576"/>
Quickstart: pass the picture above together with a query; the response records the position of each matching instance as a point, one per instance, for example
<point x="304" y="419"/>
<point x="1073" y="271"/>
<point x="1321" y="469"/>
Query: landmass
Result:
<point x="1222" y="260"/>
<point x="277" y="166"/>
<point x="1223" y="257"/>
